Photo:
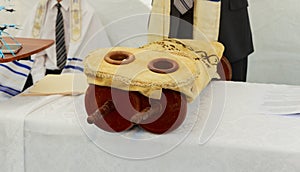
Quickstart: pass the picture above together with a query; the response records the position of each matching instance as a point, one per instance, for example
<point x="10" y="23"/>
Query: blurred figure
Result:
<point x="72" y="24"/>
<point x="226" y="21"/>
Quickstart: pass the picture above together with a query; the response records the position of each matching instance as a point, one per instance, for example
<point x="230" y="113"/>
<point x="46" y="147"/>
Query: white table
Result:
<point x="242" y="134"/>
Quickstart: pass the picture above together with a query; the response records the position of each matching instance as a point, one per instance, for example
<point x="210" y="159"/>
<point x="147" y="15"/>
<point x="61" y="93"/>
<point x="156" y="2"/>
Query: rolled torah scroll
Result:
<point x="148" y="86"/>
<point x="101" y="108"/>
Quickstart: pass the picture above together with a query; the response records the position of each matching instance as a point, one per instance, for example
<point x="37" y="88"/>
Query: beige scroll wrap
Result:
<point x="206" y="20"/>
<point x="196" y="61"/>
<point x="75" y="19"/>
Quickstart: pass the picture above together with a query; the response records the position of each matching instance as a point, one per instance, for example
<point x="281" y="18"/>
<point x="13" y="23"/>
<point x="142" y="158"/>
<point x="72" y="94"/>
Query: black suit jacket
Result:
<point x="235" y="30"/>
<point x="234" y="34"/>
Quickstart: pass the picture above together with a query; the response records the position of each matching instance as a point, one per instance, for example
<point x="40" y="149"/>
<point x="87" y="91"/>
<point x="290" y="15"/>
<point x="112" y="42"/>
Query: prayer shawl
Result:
<point x="206" y="20"/>
<point x="87" y="33"/>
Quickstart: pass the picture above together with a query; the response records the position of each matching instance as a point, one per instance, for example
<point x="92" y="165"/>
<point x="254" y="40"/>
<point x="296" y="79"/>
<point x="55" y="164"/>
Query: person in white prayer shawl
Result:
<point x="81" y="27"/>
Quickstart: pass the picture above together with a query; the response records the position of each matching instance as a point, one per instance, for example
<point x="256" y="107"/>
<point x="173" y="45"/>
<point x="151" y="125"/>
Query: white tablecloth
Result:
<point x="255" y="127"/>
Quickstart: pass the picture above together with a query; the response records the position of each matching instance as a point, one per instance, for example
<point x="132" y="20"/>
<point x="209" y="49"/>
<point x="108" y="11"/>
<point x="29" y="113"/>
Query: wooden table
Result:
<point x="30" y="46"/>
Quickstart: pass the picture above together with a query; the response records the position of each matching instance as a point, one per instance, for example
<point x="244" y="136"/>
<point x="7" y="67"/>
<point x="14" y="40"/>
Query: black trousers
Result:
<point x="239" y="70"/>
<point x="56" y="72"/>
<point x="28" y="82"/>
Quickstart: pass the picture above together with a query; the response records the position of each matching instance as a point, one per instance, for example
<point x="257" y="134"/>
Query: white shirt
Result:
<point x="90" y="25"/>
<point x="48" y="31"/>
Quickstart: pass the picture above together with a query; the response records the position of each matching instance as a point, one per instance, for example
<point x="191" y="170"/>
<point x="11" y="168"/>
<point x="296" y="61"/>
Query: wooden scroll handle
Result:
<point x="105" y="109"/>
<point x="119" y="57"/>
<point x="146" y="113"/>
<point x="224" y="69"/>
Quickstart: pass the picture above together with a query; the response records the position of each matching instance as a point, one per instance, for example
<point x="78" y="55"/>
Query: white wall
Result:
<point x="275" y="26"/>
<point x="16" y="17"/>
<point x="126" y="20"/>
